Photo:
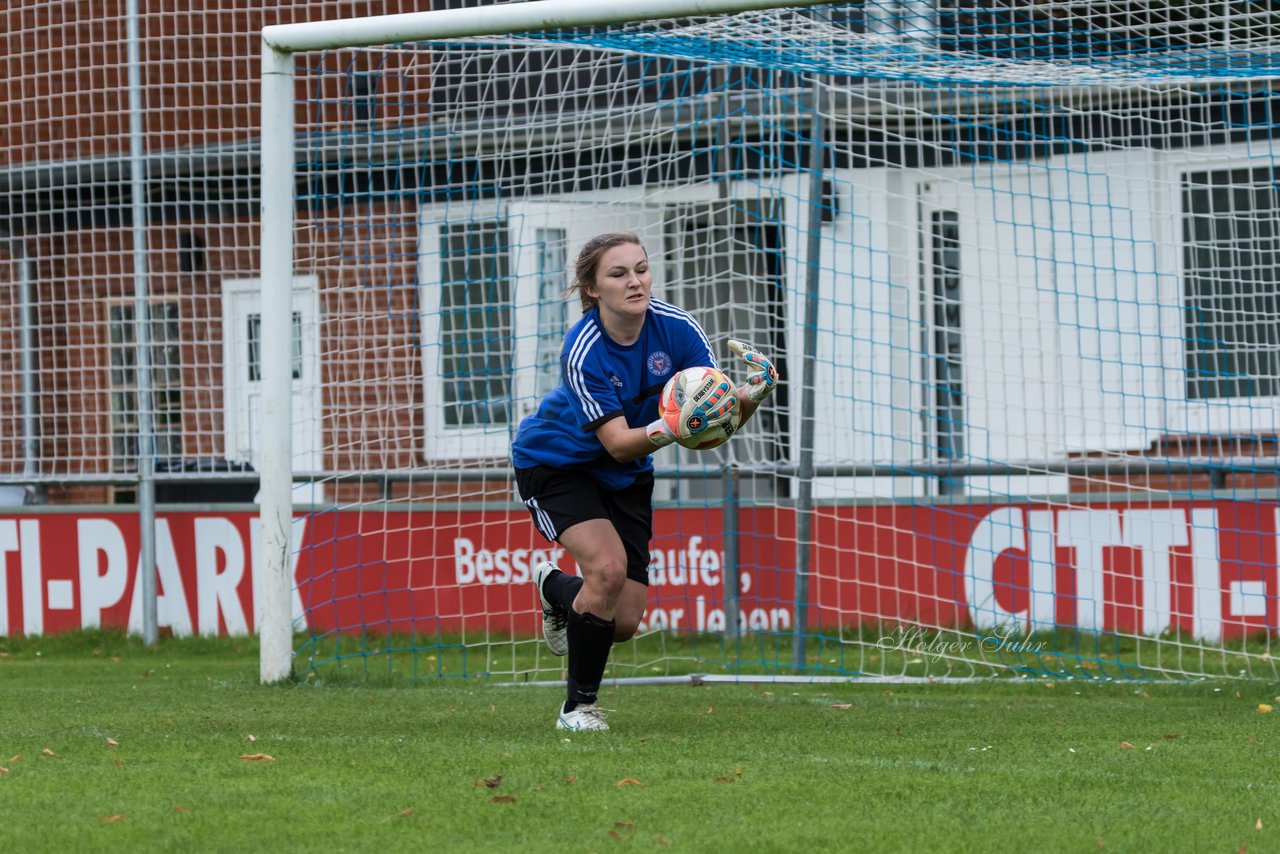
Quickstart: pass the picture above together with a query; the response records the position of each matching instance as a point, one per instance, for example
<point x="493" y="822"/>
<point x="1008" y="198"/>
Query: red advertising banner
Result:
<point x="1205" y="568"/>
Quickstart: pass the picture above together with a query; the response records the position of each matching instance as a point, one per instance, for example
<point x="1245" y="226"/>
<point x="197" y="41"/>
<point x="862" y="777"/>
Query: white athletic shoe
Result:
<point x="582" y="719"/>
<point x="555" y="622"/>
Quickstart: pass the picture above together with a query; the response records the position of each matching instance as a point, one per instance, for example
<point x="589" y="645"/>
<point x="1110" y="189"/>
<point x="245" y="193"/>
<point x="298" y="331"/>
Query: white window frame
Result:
<point x="624" y="209"/>
<point x="440" y="440"/>
<point x="1243" y="415"/>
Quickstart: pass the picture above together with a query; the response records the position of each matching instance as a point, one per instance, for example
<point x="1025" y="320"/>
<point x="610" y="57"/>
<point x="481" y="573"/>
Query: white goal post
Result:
<point x="279" y="44"/>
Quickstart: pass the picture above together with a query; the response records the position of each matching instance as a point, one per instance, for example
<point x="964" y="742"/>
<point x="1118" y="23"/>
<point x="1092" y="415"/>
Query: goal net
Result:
<point x="1018" y="264"/>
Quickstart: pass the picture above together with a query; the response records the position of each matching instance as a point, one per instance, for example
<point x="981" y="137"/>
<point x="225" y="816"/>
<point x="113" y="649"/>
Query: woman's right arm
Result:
<point x="627" y="444"/>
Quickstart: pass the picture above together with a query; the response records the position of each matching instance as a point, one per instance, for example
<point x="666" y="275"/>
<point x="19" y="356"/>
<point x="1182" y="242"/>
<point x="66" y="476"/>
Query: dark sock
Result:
<point x="561" y="589"/>
<point x="590" y="639"/>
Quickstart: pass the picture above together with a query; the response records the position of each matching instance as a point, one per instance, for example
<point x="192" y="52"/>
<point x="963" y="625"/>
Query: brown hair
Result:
<point x="588" y="263"/>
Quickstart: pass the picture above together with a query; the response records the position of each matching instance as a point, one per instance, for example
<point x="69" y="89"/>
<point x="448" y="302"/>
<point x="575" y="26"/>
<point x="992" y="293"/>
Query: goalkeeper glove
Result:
<point x="723" y="412"/>
<point x="764" y="380"/>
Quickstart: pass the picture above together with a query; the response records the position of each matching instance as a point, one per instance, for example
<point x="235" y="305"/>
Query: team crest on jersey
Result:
<point x="659" y="364"/>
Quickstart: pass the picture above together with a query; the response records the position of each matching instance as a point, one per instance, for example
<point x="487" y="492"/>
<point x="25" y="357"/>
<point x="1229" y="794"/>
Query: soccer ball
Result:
<point x="691" y="399"/>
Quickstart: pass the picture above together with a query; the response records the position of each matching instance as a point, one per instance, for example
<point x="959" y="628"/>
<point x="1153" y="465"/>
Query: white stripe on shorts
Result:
<point x="541" y="519"/>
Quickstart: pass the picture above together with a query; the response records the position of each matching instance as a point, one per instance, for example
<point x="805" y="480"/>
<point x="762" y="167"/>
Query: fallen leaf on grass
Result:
<point x="257" y="757"/>
<point x="628" y="781"/>
<point x="17" y="757"/>
<point x="1243" y="849"/>
<point x="4" y="772"/>
<point x="405" y="813"/>
<point x="503" y="799"/>
<point x="117" y="763"/>
<point x="115" y="659"/>
<point x="251" y="737"/>
<point x="179" y="809"/>
<point x="726" y="780"/>
<point x="570" y="779"/>
<point x="114" y="819"/>
<point x="47" y="752"/>
<point x="1264" y="708"/>
<point x="1170" y="736"/>
<point x="662" y="840"/>
<point x="842" y="705"/>
<point x="111" y="742"/>
<point x="1126" y="745"/>
<point x="490" y="782"/>
<point x="1258" y="825"/>
<point x="624" y="825"/>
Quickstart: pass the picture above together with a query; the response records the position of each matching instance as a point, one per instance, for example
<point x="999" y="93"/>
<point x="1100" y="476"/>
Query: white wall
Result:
<point x="1118" y="297"/>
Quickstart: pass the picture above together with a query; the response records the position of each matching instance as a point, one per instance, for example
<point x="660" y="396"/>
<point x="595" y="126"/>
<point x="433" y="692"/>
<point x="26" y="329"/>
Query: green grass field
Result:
<point x="110" y="746"/>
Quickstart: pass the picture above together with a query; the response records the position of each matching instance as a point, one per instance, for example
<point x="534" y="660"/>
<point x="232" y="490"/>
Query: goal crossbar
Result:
<point x="533" y="16"/>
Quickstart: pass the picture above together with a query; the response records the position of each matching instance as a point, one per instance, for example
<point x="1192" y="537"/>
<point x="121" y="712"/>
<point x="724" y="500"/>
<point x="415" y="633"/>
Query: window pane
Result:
<point x="253" y="333"/>
<point x="1231" y="249"/>
<point x="475" y="324"/>
<point x="166" y="383"/>
<point x="947" y="358"/>
<point x="297" y="345"/>
<point x="553" y="308"/>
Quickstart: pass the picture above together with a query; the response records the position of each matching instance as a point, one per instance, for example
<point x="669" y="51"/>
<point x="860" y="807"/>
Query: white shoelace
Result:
<point x="593" y="711"/>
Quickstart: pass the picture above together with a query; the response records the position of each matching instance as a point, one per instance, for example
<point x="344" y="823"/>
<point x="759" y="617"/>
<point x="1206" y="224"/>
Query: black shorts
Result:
<point x="560" y="498"/>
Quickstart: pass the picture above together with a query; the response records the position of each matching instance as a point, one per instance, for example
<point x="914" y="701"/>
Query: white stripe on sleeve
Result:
<point x="573" y="371"/>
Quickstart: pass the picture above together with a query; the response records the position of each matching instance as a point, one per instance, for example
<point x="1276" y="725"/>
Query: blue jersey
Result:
<point x="600" y="380"/>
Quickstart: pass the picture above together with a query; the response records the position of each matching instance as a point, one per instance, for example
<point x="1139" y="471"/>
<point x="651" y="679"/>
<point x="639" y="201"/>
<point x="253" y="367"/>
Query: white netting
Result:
<point x="1027" y="250"/>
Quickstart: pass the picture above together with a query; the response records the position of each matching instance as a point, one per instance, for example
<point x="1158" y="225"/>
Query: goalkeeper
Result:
<point x="582" y="459"/>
